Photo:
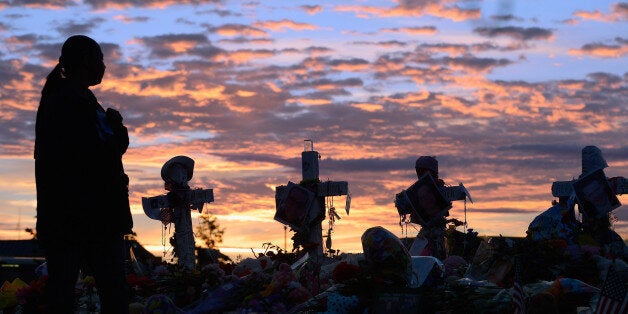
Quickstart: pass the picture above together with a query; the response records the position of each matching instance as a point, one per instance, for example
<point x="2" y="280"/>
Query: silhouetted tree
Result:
<point x="209" y="231"/>
<point x="32" y="232"/>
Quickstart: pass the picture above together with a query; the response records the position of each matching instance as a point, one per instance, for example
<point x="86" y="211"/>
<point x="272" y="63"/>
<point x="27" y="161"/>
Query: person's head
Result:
<point x="81" y="61"/>
<point x="426" y="164"/>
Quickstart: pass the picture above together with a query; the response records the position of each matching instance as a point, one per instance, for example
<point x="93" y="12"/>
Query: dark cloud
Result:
<point x="457" y="49"/>
<point x="133" y="19"/>
<point x="604" y="50"/>
<point x="478" y="64"/>
<point x="505" y="18"/>
<point x="518" y="33"/>
<point x="605" y="79"/>
<point x="555" y="150"/>
<point x="15" y="16"/>
<point x="240" y="30"/>
<point x="502" y="210"/>
<point x="73" y="28"/>
<point x="221" y="13"/>
<point x="329" y="164"/>
<point x="620" y="8"/>
<point x="322" y="83"/>
<point x="312" y="9"/>
<point x="388" y="43"/>
<point x="111" y="52"/>
<point x="349" y="62"/>
<point x="26" y="40"/>
<point x="317" y="50"/>
<point x="104" y="4"/>
<point x="54" y="4"/>
<point x="246" y="40"/>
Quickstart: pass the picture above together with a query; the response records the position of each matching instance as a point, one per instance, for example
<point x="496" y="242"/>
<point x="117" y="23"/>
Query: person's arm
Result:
<point x="120" y="132"/>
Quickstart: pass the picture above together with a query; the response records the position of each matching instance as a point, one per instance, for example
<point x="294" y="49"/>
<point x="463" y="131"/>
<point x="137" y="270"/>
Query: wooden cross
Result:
<point x="308" y="201"/>
<point x="565" y="188"/>
<point x="429" y="212"/>
<point x="176" y="206"/>
<point x="593" y="165"/>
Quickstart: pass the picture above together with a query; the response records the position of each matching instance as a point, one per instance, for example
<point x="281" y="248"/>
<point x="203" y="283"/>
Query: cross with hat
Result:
<point x="582" y="189"/>
<point x="426" y="202"/>
<point x="175" y="206"/>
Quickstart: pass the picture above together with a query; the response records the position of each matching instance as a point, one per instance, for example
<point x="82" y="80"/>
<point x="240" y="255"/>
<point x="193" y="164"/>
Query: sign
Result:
<point x="426" y="200"/>
<point x="333" y="188"/>
<point x="594" y="194"/>
<point x="293" y="206"/>
<point x="456" y="193"/>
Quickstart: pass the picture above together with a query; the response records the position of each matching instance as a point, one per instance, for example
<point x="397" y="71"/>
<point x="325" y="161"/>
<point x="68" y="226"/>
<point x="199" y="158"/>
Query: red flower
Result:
<point x="345" y="271"/>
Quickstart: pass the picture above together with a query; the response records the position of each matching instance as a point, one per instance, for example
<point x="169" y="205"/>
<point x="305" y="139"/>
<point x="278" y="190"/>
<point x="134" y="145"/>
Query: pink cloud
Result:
<point x="425" y="30"/>
<point x="285" y="24"/>
<point x="312" y="9"/>
<point x="601" y="50"/>
<point x="618" y="13"/>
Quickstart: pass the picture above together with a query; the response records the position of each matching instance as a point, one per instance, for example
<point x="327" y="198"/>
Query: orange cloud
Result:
<point x="286" y="24"/>
<point x="245" y="55"/>
<point x="239" y="30"/>
<point x="181" y="46"/>
<point x="436" y="9"/>
<point x="425" y="30"/>
<point x="370" y="107"/>
<point x="601" y="51"/>
<point x="136" y="85"/>
<point x="361" y="11"/>
<point x="453" y="13"/>
<point x="350" y="67"/>
<point x="619" y="12"/>
<point x="128" y="19"/>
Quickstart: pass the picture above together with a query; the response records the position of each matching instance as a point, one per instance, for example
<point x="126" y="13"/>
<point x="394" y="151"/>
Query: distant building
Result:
<point x="20" y="258"/>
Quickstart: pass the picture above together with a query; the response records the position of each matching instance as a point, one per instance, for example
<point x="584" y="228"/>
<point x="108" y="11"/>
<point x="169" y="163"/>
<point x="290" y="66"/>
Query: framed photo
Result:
<point x="293" y="205"/>
<point x="594" y="194"/>
<point x="426" y="200"/>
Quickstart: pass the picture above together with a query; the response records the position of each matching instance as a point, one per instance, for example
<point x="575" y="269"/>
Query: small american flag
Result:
<point x="518" y="298"/>
<point x="613" y="297"/>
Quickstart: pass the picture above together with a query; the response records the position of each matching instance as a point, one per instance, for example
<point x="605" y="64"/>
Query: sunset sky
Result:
<point x="504" y="93"/>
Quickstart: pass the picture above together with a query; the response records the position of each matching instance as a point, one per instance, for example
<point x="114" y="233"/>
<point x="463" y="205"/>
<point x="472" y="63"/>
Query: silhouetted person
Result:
<point x="82" y="190"/>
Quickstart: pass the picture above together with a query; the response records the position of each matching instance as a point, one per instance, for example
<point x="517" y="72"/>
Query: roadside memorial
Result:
<point x="560" y="267"/>
<point x="176" y="206"/>
<point x="302" y="206"/>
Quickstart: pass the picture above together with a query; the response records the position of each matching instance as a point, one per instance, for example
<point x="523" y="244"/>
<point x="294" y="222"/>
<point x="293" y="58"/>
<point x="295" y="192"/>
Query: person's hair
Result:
<point x="72" y="52"/>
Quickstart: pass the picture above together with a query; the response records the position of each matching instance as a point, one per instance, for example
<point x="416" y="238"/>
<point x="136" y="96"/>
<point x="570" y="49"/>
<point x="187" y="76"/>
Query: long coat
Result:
<point x="82" y="190"/>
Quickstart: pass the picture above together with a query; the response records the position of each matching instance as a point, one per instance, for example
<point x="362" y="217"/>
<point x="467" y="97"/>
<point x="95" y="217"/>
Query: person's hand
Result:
<point x="114" y="117"/>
